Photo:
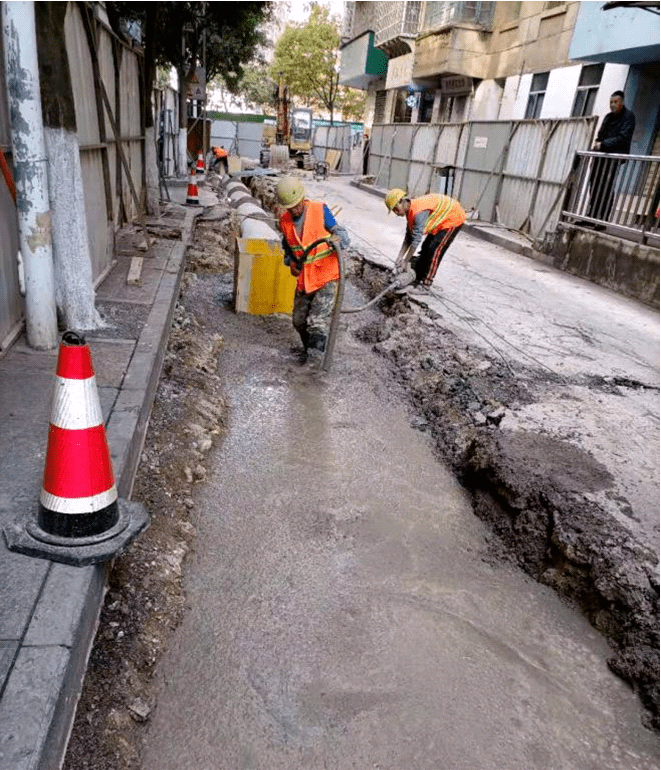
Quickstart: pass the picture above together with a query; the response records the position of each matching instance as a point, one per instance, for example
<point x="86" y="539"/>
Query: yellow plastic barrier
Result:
<point x="263" y="283"/>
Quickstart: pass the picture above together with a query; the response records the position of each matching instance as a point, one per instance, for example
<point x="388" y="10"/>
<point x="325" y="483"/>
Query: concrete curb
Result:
<point x="55" y="650"/>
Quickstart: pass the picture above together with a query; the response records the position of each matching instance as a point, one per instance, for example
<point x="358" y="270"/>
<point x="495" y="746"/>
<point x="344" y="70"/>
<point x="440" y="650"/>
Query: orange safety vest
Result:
<point x="321" y="265"/>
<point x="219" y="152"/>
<point x="445" y="213"/>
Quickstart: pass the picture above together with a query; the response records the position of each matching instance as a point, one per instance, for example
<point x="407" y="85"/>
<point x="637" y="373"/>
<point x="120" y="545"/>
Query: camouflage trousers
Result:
<point x="312" y="314"/>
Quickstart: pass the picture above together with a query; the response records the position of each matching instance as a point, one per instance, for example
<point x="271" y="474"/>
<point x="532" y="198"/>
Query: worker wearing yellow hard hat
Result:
<point x="304" y="222"/>
<point x="437" y="219"/>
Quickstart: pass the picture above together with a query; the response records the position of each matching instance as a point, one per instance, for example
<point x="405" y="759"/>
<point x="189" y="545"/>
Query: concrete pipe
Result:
<point x="235" y="186"/>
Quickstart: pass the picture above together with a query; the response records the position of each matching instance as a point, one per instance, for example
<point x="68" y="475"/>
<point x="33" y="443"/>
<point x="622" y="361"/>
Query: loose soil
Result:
<point x="530" y="487"/>
<point x="145" y="601"/>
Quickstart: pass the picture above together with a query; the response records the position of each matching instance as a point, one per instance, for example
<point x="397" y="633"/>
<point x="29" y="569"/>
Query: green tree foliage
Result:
<point x="232" y="33"/>
<point x="255" y="87"/>
<point x="352" y="103"/>
<point x="306" y="56"/>
<point x="177" y="33"/>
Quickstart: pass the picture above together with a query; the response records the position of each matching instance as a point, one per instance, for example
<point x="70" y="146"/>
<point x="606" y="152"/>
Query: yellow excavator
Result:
<point x="291" y="134"/>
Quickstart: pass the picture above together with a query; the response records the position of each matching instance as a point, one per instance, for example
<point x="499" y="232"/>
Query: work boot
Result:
<point x="315" y="359"/>
<point x="316" y="342"/>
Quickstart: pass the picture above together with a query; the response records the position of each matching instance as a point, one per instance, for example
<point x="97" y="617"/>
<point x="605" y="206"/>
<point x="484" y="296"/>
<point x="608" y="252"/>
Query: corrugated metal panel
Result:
<point x="95" y="209"/>
<point x="82" y="82"/>
<point x="398" y="174"/>
<point x="446" y="153"/>
<point x="424" y="143"/>
<point x="419" y="179"/>
<point x="525" y="149"/>
<point x="570" y="136"/>
<point x="11" y="304"/>
<point x="514" y="202"/>
<point x="403" y="139"/>
<point x="547" y="197"/>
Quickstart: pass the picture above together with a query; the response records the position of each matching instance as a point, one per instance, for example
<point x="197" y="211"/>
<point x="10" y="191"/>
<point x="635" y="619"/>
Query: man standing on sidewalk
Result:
<point x="437" y="218"/>
<point x="318" y="273"/>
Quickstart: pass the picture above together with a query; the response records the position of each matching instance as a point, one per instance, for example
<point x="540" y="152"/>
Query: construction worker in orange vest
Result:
<point x="437" y="219"/>
<point x="303" y="222"/>
<point x="220" y="158"/>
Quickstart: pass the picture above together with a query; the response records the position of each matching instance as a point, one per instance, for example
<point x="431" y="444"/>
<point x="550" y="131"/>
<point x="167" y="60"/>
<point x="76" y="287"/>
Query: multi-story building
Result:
<point x="434" y="62"/>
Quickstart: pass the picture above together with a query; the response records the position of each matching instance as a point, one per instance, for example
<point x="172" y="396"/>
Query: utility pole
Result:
<point x="31" y="172"/>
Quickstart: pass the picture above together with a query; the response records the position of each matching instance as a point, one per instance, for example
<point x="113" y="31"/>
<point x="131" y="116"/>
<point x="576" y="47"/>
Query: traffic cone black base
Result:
<point x="26" y="536"/>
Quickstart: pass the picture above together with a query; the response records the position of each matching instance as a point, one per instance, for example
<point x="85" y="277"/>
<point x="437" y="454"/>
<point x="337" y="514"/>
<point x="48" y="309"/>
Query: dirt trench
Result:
<point x="530" y="487"/>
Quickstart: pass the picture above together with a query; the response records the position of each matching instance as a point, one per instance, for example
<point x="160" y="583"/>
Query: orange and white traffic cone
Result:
<point x="192" y="194"/>
<point x="80" y="519"/>
<point x="200" y="163"/>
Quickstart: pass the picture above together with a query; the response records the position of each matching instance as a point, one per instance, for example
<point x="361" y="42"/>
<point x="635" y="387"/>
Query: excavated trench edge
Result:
<point x="558" y="537"/>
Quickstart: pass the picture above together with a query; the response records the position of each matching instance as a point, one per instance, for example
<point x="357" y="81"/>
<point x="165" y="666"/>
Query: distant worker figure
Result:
<point x="615" y="136"/>
<point x="220" y="159"/>
<point x="303" y="223"/>
<point x="437" y="218"/>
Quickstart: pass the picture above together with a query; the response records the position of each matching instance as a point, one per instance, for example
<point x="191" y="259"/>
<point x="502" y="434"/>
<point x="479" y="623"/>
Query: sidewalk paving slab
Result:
<point x="49" y="612"/>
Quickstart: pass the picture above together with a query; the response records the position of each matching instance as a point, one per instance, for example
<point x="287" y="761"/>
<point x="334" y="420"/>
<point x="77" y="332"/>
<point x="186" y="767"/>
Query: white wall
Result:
<point x="509" y="98"/>
<point x="486" y="101"/>
<point x="561" y="92"/>
<point x="519" y="108"/>
<point x="613" y="79"/>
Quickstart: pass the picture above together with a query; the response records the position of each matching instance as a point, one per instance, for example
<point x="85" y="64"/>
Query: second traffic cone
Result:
<point x="80" y="519"/>
<point x="200" y="163"/>
<point x="192" y="194"/>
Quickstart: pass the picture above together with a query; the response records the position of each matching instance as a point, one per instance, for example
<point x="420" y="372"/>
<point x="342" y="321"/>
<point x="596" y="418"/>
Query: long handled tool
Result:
<point x="402" y="280"/>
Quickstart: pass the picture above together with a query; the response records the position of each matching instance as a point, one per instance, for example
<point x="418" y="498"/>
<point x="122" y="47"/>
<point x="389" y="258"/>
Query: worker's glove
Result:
<point x="341" y="236"/>
<point x="406" y="277"/>
<point x="400" y="265"/>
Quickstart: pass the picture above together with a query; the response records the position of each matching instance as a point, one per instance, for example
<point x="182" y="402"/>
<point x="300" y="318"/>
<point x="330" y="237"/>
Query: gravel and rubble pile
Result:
<point x="532" y="488"/>
<point x="145" y="601"/>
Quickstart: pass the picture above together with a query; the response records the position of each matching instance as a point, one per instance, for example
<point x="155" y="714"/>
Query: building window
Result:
<point x="553" y="4"/>
<point x="536" y="98"/>
<point x="426" y="107"/>
<point x="404" y="104"/>
<point x="380" y="107"/>
<point x="586" y="93"/>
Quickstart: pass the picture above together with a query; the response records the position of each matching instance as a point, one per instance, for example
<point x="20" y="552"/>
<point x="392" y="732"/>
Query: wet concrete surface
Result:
<point x="346" y="606"/>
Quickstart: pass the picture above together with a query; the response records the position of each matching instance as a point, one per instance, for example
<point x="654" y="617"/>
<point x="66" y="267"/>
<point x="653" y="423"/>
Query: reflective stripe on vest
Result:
<point x="321" y="265"/>
<point x="439" y="206"/>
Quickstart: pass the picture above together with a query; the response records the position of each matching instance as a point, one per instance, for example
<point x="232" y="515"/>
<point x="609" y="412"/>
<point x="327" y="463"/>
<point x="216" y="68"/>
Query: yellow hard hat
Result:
<point x="290" y="191"/>
<point x="394" y="197"/>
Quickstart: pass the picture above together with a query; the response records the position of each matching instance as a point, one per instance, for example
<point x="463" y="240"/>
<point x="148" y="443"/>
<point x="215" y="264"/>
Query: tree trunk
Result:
<point x="74" y="280"/>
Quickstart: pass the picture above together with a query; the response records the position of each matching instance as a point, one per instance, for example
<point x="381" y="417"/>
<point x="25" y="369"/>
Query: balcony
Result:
<point x="396" y="26"/>
<point x="361" y="63"/>
<point x="441" y="15"/>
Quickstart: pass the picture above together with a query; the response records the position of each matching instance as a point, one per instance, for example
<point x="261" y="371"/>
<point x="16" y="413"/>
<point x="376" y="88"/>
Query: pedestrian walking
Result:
<point x="318" y="273"/>
<point x="614" y="136"/>
<point x="435" y="218"/>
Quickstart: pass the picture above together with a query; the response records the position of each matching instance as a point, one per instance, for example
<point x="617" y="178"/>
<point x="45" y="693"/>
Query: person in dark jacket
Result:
<point x="614" y="136"/>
